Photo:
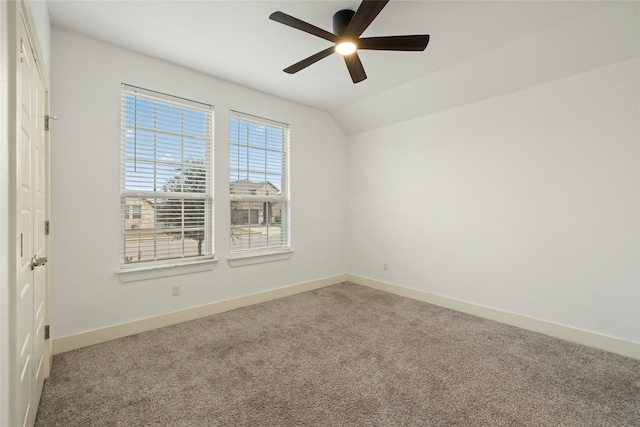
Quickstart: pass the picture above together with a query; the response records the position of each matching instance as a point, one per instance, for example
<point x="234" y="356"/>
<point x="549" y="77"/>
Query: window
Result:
<point x="259" y="185"/>
<point x="137" y="212"/>
<point x="166" y="179"/>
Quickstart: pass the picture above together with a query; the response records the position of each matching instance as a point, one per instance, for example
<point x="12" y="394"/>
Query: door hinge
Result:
<point x="47" y="120"/>
<point x="47" y="226"/>
<point x="46" y="332"/>
<point x="21" y="51"/>
<point x="21" y="247"/>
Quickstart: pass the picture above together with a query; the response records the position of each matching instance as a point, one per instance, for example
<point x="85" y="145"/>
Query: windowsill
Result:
<point x="135" y="274"/>
<point x="250" y="259"/>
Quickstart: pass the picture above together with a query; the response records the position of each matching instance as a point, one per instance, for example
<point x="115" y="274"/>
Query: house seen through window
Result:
<point x="258" y="185"/>
<point x="166" y="179"/>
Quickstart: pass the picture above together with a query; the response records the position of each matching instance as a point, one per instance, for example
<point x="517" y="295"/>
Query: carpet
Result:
<point x="344" y="355"/>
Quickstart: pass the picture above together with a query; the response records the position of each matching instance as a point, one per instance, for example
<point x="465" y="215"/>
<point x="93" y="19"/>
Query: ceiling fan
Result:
<point x="347" y="28"/>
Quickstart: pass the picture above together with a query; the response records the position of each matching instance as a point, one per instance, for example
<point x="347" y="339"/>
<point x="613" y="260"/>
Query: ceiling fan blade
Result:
<point x="308" y="61"/>
<point x="289" y="20"/>
<point x="415" y="42"/>
<point x="355" y="67"/>
<point x="366" y="13"/>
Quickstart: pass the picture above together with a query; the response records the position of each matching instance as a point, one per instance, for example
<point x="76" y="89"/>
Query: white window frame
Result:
<point x="283" y="197"/>
<point x="157" y="194"/>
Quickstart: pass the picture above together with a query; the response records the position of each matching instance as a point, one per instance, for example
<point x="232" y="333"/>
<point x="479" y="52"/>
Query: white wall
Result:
<point x="40" y="14"/>
<point x="527" y="202"/>
<point x="85" y="173"/>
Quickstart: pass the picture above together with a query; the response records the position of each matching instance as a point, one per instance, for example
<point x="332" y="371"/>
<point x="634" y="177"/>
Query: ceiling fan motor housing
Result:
<point x="341" y="21"/>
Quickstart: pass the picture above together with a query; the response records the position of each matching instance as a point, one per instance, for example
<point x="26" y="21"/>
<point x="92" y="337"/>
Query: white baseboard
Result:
<point x="591" y="339"/>
<point x="72" y="342"/>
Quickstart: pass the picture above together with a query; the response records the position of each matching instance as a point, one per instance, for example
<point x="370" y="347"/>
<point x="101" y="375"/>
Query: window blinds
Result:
<point x="258" y="185"/>
<point x="166" y="178"/>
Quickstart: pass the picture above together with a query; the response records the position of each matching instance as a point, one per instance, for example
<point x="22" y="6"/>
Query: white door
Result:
<point x="31" y="201"/>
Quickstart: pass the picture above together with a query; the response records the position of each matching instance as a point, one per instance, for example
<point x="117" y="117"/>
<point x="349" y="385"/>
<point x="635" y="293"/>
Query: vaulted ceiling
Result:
<point x="235" y="41"/>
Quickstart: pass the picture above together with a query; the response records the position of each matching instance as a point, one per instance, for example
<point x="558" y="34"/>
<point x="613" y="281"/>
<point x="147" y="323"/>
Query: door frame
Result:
<point x="15" y="12"/>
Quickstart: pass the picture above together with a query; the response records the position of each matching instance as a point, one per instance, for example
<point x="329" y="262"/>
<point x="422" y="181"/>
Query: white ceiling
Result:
<point x="235" y="40"/>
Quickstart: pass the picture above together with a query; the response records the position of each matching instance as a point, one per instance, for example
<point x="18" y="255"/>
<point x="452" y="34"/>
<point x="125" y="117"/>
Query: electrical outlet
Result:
<point x="177" y="289"/>
<point x="385" y="266"/>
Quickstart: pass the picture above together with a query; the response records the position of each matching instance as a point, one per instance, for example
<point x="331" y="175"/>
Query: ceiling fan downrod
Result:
<point x="341" y="21"/>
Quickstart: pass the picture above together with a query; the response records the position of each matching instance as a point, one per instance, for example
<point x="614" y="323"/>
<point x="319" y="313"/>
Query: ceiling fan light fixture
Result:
<point x="345" y="48"/>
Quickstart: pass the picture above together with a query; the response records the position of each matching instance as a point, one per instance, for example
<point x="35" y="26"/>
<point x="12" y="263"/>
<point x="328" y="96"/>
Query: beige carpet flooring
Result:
<point x="344" y="355"/>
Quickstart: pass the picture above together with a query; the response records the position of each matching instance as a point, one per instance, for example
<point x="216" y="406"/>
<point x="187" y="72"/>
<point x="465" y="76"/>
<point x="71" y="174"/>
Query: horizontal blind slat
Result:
<point x="169" y="99"/>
